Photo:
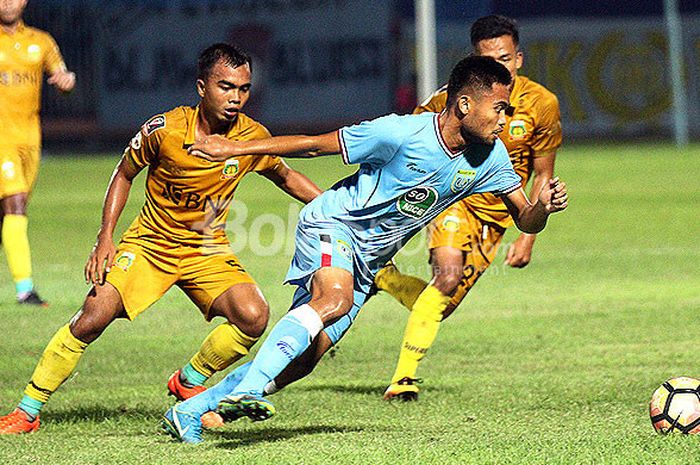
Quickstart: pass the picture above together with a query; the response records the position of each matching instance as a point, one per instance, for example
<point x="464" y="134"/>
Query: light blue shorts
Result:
<point x="318" y="247"/>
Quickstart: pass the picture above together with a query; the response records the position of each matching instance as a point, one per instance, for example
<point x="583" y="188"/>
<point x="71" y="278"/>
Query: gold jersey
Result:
<point x="533" y="127"/>
<point x="188" y="197"/>
<point x="24" y="56"/>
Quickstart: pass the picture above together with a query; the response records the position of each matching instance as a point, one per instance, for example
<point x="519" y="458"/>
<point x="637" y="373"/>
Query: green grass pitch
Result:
<point x="554" y="363"/>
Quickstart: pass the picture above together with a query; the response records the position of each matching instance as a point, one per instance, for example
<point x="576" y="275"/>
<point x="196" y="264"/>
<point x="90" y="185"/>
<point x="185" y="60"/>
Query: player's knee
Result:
<point x="88" y="324"/>
<point x="332" y="306"/>
<point x="101" y="307"/>
<point x="447" y="281"/>
<point x="253" y="319"/>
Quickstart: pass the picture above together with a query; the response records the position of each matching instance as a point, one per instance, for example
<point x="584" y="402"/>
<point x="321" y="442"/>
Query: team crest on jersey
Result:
<point x="8" y="170"/>
<point x="125" y="260"/>
<point x="230" y="169"/>
<point x="34" y="52"/>
<point x="343" y="249"/>
<point x="450" y="223"/>
<point x="461" y="180"/>
<point x="517" y="129"/>
<point x="416" y="202"/>
<point x="153" y="124"/>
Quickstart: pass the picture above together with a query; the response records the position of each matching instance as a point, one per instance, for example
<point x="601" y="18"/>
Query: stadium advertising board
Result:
<point x="313" y="61"/>
<point x="611" y="75"/>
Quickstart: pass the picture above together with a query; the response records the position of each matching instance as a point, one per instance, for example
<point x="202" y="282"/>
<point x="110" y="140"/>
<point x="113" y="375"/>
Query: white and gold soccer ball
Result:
<point x="675" y="406"/>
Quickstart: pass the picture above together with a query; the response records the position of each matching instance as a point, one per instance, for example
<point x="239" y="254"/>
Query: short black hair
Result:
<point x="477" y="74"/>
<point x="492" y="26"/>
<point x="229" y="54"/>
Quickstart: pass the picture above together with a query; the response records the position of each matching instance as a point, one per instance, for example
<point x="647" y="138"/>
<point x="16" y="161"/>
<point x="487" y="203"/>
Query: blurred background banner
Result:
<point x="611" y="75"/>
<point x="312" y="61"/>
<point x="320" y="64"/>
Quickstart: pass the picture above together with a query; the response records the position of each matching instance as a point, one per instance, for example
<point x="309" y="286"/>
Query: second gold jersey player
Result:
<point x="177" y="240"/>
<point x="464" y="239"/>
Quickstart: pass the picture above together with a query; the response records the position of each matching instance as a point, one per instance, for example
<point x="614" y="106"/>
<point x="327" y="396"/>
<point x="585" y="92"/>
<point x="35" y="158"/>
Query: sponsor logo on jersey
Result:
<point x="517" y="129"/>
<point x="450" y="223"/>
<point x="190" y="200"/>
<point x="416" y="202"/>
<point x="462" y="179"/>
<point x="153" y="124"/>
<point x="125" y="260"/>
<point x="414" y="167"/>
<point x="230" y="169"/>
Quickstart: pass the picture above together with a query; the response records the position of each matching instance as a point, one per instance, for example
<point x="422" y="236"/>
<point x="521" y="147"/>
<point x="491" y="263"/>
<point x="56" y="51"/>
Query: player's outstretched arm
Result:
<point x="62" y="80"/>
<point x="102" y="254"/>
<point x="532" y="218"/>
<point x="218" y="148"/>
<point x="520" y="251"/>
<point x="293" y="182"/>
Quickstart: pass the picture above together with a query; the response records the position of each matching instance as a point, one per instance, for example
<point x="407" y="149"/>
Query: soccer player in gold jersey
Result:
<point x="25" y="54"/>
<point x="464" y="239"/>
<point x="178" y="239"/>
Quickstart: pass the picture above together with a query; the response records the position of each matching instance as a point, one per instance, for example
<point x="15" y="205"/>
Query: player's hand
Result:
<point x="100" y="260"/>
<point x="214" y="148"/>
<point x="520" y="251"/>
<point x="62" y="80"/>
<point x="554" y="196"/>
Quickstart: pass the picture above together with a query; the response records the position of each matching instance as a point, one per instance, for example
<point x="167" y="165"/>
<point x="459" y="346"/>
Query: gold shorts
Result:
<point x="143" y="272"/>
<point x="458" y="227"/>
<point x="19" y="166"/>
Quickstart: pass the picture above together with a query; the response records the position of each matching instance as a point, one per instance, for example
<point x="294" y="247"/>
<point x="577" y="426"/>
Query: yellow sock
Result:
<point x="222" y="347"/>
<point x="56" y="364"/>
<point x="16" y="243"/>
<point x="404" y="288"/>
<point x="421" y="330"/>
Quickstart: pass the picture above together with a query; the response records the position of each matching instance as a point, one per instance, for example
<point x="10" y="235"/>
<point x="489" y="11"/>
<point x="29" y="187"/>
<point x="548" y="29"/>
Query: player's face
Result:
<point x="484" y="115"/>
<point x="225" y="92"/>
<point x="11" y="11"/>
<point x="503" y="50"/>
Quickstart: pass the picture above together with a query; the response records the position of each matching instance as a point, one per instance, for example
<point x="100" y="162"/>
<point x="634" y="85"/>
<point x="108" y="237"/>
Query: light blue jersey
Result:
<point x="407" y="177"/>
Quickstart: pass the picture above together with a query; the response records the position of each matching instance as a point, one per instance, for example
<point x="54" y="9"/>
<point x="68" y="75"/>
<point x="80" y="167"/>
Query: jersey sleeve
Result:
<point x="433" y="104"/>
<point x="373" y="142"/>
<point x="53" y="61"/>
<point x="145" y="145"/>
<point x="548" y="135"/>
<point x="501" y="179"/>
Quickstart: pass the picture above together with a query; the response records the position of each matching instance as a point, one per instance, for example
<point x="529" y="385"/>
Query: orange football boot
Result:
<point x="181" y="392"/>
<point x="17" y="422"/>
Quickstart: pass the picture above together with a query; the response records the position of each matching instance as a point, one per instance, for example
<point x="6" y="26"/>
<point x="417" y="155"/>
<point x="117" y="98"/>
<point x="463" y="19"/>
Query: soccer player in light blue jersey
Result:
<point x="411" y="168"/>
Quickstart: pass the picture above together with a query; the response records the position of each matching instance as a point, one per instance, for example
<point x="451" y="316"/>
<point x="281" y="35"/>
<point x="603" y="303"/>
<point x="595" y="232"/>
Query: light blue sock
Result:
<point x="31" y="406"/>
<point x="24" y="286"/>
<point x="192" y="376"/>
<point x="290" y="337"/>
<point x="209" y="399"/>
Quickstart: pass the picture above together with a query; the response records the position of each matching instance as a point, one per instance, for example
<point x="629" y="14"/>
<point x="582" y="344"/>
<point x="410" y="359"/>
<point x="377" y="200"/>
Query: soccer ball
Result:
<point x="675" y="406"/>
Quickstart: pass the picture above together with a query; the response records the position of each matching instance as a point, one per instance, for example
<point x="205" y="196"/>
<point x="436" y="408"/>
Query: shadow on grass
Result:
<point x="346" y="389"/>
<point x="234" y="439"/>
<point x="375" y="390"/>
<point x="97" y="413"/>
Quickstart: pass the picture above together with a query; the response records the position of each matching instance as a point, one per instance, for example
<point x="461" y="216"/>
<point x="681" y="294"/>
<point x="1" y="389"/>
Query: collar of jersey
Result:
<point x="444" y="146"/>
<point x="190" y="134"/>
<point x="20" y="29"/>
<point x="191" y="127"/>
